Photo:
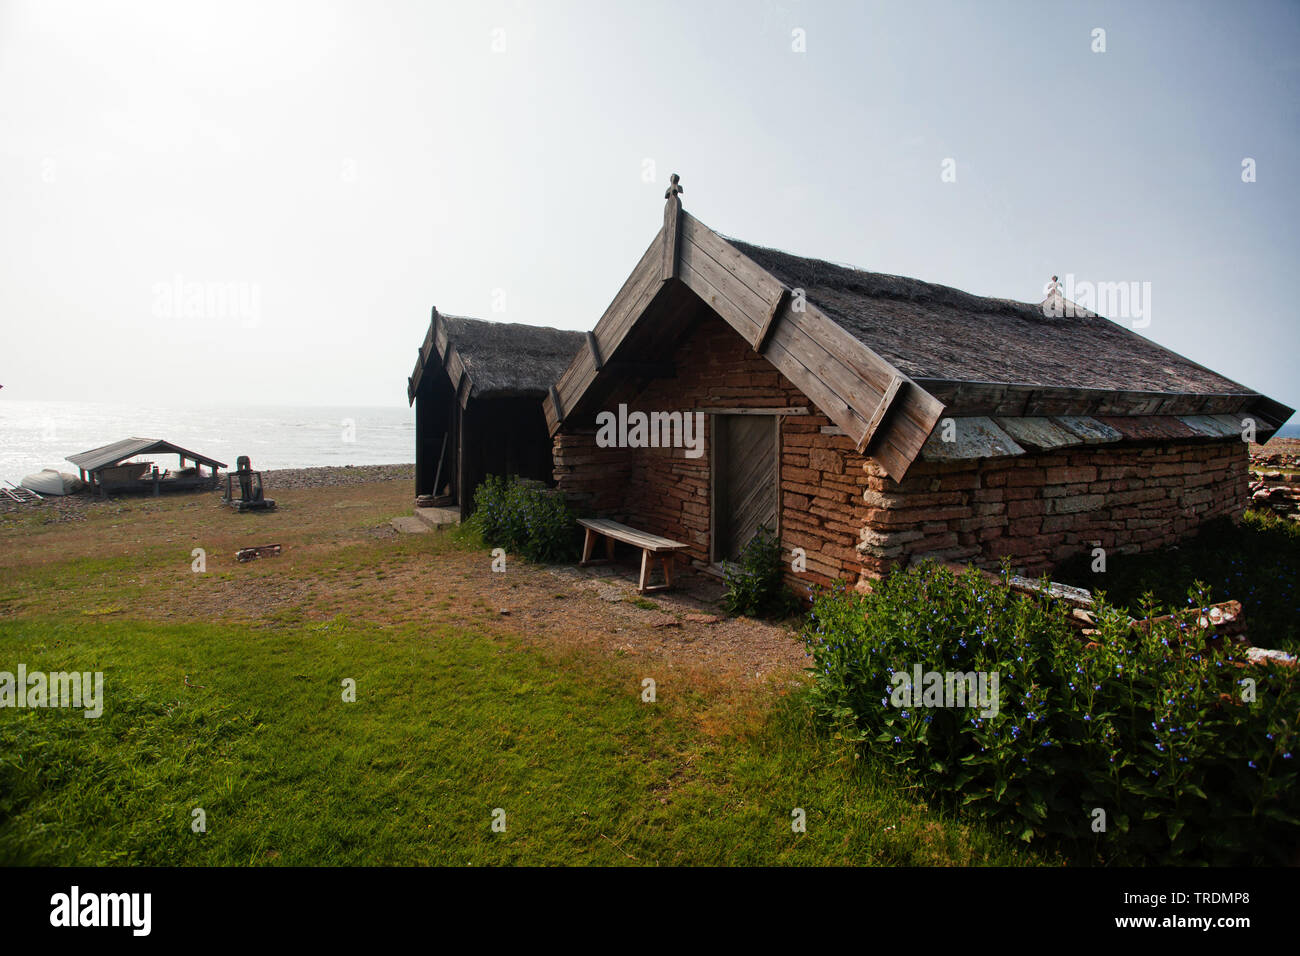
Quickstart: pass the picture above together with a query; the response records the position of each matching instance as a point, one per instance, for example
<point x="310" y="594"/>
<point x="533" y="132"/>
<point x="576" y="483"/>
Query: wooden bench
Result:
<point x="650" y="545"/>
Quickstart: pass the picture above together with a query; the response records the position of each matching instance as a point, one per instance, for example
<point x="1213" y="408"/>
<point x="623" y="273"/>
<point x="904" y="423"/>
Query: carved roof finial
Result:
<point x="674" y="187"/>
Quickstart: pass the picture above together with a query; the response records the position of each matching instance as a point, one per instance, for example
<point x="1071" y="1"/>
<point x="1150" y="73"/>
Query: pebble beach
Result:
<point x="70" y="507"/>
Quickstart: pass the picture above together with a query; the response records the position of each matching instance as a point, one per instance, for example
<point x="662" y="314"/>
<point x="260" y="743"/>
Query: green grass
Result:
<point x="456" y="715"/>
<point x="447" y="726"/>
<point x="1256" y="563"/>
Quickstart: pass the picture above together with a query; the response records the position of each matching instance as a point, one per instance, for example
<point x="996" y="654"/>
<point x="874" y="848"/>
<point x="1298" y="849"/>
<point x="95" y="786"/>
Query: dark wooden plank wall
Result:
<point x="501" y="436"/>
<point x="435" y="416"/>
<point x="745" y="473"/>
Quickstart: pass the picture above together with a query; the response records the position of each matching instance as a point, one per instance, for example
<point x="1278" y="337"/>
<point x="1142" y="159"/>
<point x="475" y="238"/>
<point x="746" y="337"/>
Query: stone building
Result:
<point x="872" y="419"/>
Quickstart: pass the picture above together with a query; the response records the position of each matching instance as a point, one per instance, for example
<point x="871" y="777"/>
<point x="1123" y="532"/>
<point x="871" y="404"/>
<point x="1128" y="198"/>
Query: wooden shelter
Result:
<point x="477" y="389"/>
<point x="870" y="419"/>
<point x="108" y="470"/>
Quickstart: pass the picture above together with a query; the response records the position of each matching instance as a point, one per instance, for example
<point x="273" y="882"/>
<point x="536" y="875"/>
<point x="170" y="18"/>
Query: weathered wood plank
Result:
<point x="423" y="357"/>
<point x="649" y="292"/>
<point x="796" y="367"/>
<point x="594" y="347"/>
<point x="671" y="237"/>
<point x="863" y="363"/>
<point x="673" y="310"/>
<point x="464" y="385"/>
<point x="413" y="383"/>
<point x="456" y="370"/>
<point x="857" y="377"/>
<point x="894" y="456"/>
<point x="746" y="471"/>
<point x="1269" y="412"/>
<point x="1014" y="401"/>
<point x="628" y="535"/>
<point x="742" y="308"/>
<point x="620" y="315"/>
<point x="1065" y="593"/>
<point x="882" y="409"/>
<point x="843" y="377"/>
<point x="442" y="341"/>
<point x="918" y="411"/>
<point x="790" y="410"/>
<point x="573" y="381"/>
<point x="571" y="389"/>
<point x="776" y="315"/>
<point x="762" y="283"/>
<point x="611" y="329"/>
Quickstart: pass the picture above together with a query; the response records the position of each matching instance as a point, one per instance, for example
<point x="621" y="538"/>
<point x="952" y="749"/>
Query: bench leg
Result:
<point x="589" y="545"/>
<point x="647" y="559"/>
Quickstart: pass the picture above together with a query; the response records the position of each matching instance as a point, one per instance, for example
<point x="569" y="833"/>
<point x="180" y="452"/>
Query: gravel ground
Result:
<point x="335" y="475"/>
<point x="73" y="507"/>
<point x="322" y="573"/>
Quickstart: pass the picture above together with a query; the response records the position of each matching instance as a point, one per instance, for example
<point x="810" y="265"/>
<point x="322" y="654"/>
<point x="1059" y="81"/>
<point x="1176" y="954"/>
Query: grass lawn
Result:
<point x="455" y="715"/>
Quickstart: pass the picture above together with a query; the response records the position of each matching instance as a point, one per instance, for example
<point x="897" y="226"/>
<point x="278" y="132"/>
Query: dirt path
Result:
<point x="342" y="557"/>
<point x="592" y="608"/>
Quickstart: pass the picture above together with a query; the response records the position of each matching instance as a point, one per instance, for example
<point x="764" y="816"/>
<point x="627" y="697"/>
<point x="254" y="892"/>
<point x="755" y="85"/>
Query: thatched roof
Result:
<point x="886" y="357"/>
<point x="931" y="331"/>
<point x="499" y="359"/>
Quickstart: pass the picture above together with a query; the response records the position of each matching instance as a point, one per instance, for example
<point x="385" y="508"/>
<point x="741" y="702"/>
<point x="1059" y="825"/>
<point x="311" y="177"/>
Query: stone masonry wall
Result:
<point x="1041" y="509"/>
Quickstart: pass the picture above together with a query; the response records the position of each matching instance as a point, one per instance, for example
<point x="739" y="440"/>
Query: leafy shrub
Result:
<point x="490" y="509"/>
<point x="525" y="516"/>
<point x="755" y="586"/>
<point x="1256" y="563"/>
<point x="1157" y="732"/>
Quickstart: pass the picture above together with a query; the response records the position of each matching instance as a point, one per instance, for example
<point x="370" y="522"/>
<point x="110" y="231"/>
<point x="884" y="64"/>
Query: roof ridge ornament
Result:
<point x="1053" y="304"/>
<point x="672" y="227"/>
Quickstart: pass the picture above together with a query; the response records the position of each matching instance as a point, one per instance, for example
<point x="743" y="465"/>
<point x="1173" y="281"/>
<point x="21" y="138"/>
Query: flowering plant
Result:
<point x="1185" y="747"/>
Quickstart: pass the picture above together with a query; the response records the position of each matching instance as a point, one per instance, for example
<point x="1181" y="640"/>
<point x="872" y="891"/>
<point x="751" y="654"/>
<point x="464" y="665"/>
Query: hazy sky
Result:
<point x="322" y="173"/>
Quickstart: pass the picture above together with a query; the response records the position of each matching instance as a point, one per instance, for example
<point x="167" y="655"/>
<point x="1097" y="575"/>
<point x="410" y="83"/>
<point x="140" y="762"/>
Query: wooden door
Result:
<point x="744" y="480"/>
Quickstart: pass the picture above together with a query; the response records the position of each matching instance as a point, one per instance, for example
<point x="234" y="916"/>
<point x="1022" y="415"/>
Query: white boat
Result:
<point x="48" y="481"/>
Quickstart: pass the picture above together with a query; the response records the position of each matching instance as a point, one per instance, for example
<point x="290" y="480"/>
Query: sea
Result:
<point x="36" y="435"/>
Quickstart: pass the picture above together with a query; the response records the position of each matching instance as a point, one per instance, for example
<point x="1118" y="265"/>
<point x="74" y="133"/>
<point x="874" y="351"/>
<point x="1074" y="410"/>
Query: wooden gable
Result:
<point x="438" y="351"/>
<point x="888" y="415"/>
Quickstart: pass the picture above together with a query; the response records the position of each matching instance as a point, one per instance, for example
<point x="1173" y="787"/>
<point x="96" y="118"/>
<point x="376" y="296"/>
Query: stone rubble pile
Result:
<point x="1276" y="483"/>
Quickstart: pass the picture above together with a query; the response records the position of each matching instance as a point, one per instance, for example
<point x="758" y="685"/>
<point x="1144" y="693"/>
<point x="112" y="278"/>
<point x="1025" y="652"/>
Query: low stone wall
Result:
<point x="1039" y="510"/>
<point x="594" y="479"/>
